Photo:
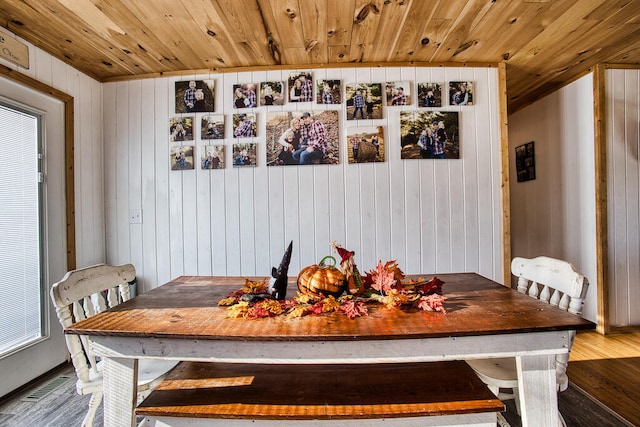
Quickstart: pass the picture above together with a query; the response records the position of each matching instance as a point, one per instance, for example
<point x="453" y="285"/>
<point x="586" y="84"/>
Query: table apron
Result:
<point x="347" y="351"/>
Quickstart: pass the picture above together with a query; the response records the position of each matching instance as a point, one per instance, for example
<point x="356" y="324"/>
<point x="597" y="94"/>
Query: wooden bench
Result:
<point x="408" y="394"/>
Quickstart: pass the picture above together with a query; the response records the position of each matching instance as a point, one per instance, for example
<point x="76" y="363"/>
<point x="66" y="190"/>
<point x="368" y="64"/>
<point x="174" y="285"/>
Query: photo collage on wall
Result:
<point x="307" y="136"/>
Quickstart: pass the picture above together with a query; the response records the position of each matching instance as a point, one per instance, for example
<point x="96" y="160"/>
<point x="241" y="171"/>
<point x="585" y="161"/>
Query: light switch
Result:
<point x="135" y="216"/>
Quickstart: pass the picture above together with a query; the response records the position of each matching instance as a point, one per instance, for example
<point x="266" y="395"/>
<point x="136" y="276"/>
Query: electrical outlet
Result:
<point x="135" y="216"/>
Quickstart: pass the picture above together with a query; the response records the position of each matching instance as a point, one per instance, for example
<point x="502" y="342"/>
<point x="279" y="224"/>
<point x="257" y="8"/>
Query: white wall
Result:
<point x="433" y="216"/>
<point x="554" y="215"/>
<point x="623" y="191"/>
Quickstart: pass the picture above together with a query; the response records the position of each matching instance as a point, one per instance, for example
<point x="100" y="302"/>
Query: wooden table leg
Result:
<point x="120" y="391"/>
<point x="537" y="388"/>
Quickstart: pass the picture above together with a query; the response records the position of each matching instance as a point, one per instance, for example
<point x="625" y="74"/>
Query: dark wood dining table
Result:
<point x="181" y="320"/>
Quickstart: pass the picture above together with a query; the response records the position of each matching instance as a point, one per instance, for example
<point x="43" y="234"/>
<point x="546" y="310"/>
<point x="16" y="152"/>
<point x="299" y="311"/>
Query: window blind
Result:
<point x="20" y="278"/>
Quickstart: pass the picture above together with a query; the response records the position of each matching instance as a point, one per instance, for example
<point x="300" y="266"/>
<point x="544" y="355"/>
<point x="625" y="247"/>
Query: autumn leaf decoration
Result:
<point x="383" y="279"/>
<point x="384" y="285"/>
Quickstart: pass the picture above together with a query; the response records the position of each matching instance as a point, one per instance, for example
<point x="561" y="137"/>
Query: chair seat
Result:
<point x="500" y="371"/>
<point x="149" y="371"/>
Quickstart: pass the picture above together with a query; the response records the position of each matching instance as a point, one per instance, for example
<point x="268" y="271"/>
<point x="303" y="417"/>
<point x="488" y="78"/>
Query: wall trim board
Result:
<point x="293" y="67"/>
<point x="504" y="173"/>
<point x="600" y="144"/>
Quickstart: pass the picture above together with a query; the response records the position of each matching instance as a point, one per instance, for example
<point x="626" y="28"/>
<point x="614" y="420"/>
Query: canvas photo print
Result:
<point x="272" y="93"/>
<point x="244" y="155"/>
<point x="328" y="92"/>
<point x="212" y="127"/>
<point x="303" y="137"/>
<point x="244" y="125"/>
<point x="363" y="101"/>
<point x="365" y="144"/>
<point x="181" y="158"/>
<point x="181" y="129"/>
<point x="245" y="96"/>
<point x="194" y="96"/>
<point x="429" y="135"/>
<point x="429" y="95"/>
<point x="398" y="93"/>
<point x="212" y="157"/>
<point x="300" y="87"/>
<point x="461" y="93"/>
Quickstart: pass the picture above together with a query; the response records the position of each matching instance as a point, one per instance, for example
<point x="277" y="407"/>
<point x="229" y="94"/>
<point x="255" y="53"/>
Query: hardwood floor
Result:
<point x="607" y="368"/>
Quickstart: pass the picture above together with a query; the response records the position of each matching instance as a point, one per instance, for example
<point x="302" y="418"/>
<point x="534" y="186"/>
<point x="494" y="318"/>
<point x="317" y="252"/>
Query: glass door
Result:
<point x="32" y="227"/>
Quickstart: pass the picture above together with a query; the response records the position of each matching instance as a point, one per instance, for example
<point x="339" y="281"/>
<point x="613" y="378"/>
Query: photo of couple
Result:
<point x="429" y="135"/>
<point x="302" y="138"/>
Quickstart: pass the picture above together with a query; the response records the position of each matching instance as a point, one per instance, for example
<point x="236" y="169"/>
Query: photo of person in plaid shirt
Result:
<point x="358" y="104"/>
<point x="300" y="87"/>
<point x="313" y="141"/>
<point x="244" y="128"/>
<point x="399" y="98"/>
<point x="327" y="96"/>
<point x="307" y="88"/>
<point x="190" y="96"/>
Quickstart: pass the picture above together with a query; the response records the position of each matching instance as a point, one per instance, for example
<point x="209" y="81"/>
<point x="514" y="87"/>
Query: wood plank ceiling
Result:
<point x="544" y="43"/>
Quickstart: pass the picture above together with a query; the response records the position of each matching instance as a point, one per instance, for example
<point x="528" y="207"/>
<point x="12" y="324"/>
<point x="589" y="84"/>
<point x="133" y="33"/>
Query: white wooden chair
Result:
<point x="89" y="291"/>
<point x="555" y="282"/>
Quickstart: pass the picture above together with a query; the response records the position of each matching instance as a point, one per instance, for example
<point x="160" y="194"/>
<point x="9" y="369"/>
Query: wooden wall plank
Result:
<point x="134" y="173"/>
<point x="164" y="107"/>
<point x="617" y="193"/>
<point x="121" y="175"/>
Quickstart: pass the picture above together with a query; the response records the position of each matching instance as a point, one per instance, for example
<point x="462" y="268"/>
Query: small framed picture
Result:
<point x="244" y="155"/>
<point x="181" y="129"/>
<point x="328" y="92"/>
<point x="364" y="100"/>
<point x="181" y="158"/>
<point x="244" y="125"/>
<point x="398" y="93"/>
<point x="244" y="96"/>
<point x="526" y="162"/>
<point x="212" y="157"/>
<point x="365" y="144"/>
<point x="300" y="87"/>
<point x="212" y="127"/>
<point x="195" y="96"/>
<point x="429" y="95"/>
<point x="461" y="93"/>
<point x="272" y="93"/>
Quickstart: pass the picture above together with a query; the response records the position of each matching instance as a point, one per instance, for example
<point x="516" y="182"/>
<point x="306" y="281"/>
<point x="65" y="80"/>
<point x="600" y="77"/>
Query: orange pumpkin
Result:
<point x="322" y="279"/>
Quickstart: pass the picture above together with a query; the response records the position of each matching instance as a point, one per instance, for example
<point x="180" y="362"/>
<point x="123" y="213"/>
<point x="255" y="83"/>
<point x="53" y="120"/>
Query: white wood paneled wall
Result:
<point x="433" y="216"/>
<point x="623" y="191"/>
<point x="554" y="215"/>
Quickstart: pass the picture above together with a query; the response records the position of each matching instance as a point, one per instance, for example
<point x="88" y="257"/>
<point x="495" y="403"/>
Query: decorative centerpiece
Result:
<point x="322" y="286"/>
